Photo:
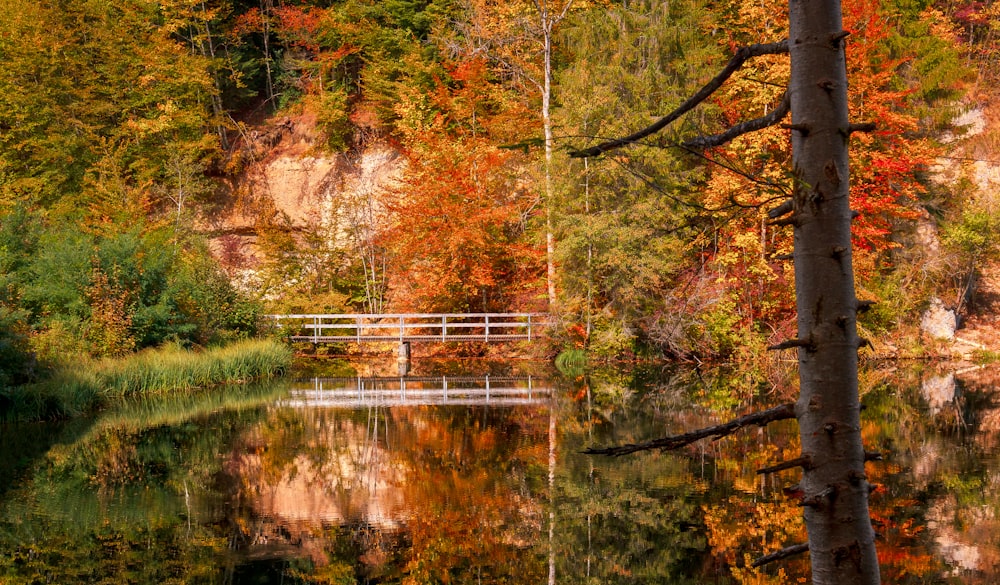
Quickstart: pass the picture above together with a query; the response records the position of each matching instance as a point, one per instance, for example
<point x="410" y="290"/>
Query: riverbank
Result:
<point x="90" y="385"/>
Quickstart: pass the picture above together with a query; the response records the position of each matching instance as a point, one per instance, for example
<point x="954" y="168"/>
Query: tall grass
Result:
<point x="572" y="362"/>
<point x="93" y="384"/>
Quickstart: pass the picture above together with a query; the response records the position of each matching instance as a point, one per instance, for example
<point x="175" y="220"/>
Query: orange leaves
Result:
<point x="455" y="222"/>
<point x="881" y="188"/>
<point x="249" y="22"/>
<point x="299" y="25"/>
<point x="296" y="25"/>
<point x="467" y="523"/>
<point x="461" y="210"/>
<point x="740" y="530"/>
<point x="885" y="164"/>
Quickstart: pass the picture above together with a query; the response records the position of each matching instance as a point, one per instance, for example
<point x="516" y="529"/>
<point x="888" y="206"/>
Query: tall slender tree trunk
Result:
<point x="266" y="11"/>
<point x="841" y="539"/>
<point x="550" y="239"/>
<point x="207" y="48"/>
<point x="548" y="17"/>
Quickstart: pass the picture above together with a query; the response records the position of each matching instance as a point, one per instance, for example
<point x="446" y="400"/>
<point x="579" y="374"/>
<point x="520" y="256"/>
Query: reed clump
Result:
<point x="88" y="385"/>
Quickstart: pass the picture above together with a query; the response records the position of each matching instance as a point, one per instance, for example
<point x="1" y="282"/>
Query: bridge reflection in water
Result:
<point x="362" y="392"/>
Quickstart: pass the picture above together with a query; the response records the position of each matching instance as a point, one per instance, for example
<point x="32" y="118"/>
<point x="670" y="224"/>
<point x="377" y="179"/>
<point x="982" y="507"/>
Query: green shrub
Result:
<point x="572" y="362"/>
<point x="333" y="118"/>
<point x="16" y="361"/>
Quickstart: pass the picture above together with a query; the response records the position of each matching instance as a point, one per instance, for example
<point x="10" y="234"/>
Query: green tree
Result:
<point x="86" y="81"/>
<point x="623" y="221"/>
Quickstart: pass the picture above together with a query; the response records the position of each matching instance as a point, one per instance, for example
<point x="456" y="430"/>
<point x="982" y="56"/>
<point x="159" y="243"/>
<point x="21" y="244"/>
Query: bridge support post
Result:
<point x="403" y="358"/>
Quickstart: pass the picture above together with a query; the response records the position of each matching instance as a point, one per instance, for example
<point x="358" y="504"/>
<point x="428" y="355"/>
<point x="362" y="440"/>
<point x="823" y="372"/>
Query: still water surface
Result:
<point x="473" y="473"/>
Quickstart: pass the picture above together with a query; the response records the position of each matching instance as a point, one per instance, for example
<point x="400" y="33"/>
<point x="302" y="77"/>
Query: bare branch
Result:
<point x="805" y="462"/>
<point x="741" y="56"/>
<point x="789" y="551"/>
<point x="777" y="115"/>
<point x="784" y="209"/>
<point x="791" y="343"/>
<point x="733" y="169"/>
<point x="862" y="127"/>
<point x="803" y="129"/>
<point x="761" y="418"/>
<point x="565" y="10"/>
<point x="790" y="220"/>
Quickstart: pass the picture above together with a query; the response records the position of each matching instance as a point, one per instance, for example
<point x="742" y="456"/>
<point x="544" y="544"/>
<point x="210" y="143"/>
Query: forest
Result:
<point x="129" y="128"/>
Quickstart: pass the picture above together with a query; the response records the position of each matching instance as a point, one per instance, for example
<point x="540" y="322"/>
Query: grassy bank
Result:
<point x="89" y="385"/>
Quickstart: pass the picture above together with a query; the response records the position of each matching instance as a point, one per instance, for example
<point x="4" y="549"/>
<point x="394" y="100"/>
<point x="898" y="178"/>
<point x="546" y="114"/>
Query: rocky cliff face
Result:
<point x="972" y="171"/>
<point x="287" y="183"/>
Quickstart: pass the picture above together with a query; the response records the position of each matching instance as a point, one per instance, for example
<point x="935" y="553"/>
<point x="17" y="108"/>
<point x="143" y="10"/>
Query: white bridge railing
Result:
<point x="409" y="327"/>
<point x="360" y="392"/>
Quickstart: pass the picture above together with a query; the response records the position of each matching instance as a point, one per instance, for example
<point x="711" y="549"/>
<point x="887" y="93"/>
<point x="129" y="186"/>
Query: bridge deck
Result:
<point x="412" y="327"/>
<point x="408" y="337"/>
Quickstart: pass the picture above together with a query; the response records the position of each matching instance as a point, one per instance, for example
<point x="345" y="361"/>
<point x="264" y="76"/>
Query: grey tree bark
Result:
<point x="841" y="539"/>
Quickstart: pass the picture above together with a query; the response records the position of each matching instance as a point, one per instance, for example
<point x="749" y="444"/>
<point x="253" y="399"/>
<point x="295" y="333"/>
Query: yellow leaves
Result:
<point x="742" y="530"/>
<point x="109" y="329"/>
<point x="756" y="22"/>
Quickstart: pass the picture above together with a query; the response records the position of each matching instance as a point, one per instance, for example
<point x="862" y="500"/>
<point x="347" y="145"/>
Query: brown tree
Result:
<point x="834" y="489"/>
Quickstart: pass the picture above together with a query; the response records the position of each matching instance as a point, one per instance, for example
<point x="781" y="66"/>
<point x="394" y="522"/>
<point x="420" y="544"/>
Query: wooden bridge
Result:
<point x="361" y="392"/>
<point x="412" y="327"/>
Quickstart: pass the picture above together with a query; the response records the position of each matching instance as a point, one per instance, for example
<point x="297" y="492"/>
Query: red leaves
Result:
<point x="299" y="25"/>
<point x="459" y="217"/>
<point x="884" y="164"/>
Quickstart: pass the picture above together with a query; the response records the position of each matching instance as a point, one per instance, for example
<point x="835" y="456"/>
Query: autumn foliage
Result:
<point x="460" y="216"/>
<point x="746" y="252"/>
<point x="157" y="114"/>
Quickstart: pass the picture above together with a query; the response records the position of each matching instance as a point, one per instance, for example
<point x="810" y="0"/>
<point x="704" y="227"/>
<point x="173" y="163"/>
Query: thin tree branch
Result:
<point x="735" y="170"/>
<point x="741" y="56"/>
<point x="746" y="175"/>
<point x="777" y="115"/>
<point x="805" y="462"/>
<point x="761" y="418"/>
<point x="659" y="189"/>
<point x="791" y="343"/>
<point x="784" y="553"/>
<point x="732" y="201"/>
<point x="786" y="207"/>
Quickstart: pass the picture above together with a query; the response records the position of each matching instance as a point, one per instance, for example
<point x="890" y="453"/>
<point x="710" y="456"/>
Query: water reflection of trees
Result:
<point x="955" y="471"/>
<point x="198" y="491"/>
<point x="932" y="507"/>
<point x="129" y="499"/>
<point x="455" y="485"/>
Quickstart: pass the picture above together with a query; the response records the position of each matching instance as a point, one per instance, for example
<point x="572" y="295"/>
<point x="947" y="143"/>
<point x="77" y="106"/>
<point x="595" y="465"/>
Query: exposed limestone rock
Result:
<point x="969" y="123"/>
<point x="327" y="201"/>
<point x="939" y="321"/>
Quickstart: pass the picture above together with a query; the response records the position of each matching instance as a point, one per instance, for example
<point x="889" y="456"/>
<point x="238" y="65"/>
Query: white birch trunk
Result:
<point x="550" y="240"/>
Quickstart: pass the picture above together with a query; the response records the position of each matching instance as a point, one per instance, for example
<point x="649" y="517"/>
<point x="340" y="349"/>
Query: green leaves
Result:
<point x="623" y="219"/>
<point x="115" y="292"/>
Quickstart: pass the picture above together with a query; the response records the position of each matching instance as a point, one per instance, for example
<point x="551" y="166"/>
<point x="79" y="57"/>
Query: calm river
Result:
<point x="473" y="473"/>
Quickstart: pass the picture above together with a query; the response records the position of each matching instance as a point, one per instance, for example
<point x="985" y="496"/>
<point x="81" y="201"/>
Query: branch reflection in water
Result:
<point x="475" y="473"/>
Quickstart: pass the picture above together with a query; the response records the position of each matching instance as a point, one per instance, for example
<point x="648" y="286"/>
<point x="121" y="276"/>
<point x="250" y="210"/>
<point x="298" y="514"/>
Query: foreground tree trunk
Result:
<point x="841" y="539"/>
<point x="834" y="486"/>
